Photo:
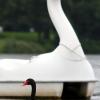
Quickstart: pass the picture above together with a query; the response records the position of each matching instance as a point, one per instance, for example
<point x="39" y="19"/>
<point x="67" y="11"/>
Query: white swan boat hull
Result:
<point x="50" y="79"/>
<point x="43" y="89"/>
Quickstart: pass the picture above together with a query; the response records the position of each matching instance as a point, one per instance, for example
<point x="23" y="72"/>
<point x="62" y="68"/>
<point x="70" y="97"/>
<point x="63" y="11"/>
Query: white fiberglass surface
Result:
<point x="47" y="67"/>
<point x="64" y="28"/>
<point x="42" y="89"/>
<point x="12" y="64"/>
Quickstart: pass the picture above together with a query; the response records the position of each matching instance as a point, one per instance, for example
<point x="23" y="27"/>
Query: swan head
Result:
<point x="33" y="85"/>
<point x="29" y="82"/>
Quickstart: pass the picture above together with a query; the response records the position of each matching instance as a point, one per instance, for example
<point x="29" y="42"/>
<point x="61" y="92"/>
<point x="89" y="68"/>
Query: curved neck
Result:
<point x="33" y="85"/>
<point x="65" y="31"/>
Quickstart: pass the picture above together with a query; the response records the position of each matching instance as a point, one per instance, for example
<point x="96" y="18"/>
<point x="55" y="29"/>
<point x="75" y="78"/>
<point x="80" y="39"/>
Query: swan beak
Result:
<point x="25" y="83"/>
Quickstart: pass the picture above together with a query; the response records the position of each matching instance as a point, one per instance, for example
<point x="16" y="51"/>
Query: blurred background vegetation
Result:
<point x="25" y="26"/>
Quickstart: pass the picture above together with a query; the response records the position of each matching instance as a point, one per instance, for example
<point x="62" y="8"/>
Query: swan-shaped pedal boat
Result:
<point x="55" y="72"/>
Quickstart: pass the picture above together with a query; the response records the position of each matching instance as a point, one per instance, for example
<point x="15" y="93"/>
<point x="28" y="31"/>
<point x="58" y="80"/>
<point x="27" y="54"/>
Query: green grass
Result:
<point x="26" y="36"/>
<point x="25" y="43"/>
<point x="19" y="42"/>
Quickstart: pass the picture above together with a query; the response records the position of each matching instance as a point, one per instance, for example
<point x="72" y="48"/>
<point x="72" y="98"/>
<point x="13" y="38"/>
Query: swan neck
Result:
<point x="64" y="29"/>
